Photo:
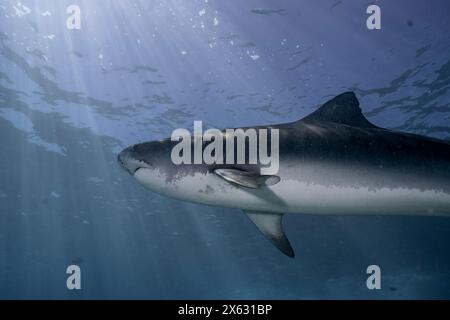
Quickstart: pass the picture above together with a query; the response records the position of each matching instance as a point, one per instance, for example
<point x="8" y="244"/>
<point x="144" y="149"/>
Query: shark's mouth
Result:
<point x="137" y="169"/>
<point x="134" y="165"/>
<point x="141" y="170"/>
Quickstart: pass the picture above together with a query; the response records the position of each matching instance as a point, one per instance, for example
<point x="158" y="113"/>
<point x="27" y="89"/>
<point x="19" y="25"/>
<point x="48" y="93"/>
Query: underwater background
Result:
<point x="70" y="100"/>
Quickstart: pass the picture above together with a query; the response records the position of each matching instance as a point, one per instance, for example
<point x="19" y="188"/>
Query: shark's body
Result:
<point x="333" y="161"/>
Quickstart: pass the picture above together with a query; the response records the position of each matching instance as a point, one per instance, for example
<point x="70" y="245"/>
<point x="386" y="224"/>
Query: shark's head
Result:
<point x="151" y="165"/>
<point x="135" y="157"/>
<point x="148" y="162"/>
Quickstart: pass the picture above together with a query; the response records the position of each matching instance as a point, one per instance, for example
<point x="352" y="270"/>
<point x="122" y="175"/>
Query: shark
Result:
<point x="334" y="161"/>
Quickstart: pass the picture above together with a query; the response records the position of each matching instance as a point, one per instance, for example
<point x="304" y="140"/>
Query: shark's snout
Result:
<point x="128" y="159"/>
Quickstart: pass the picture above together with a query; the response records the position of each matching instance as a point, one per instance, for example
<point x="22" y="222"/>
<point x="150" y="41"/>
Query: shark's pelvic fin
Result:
<point x="343" y="109"/>
<point x="247" y="179"/>
<point x="270" y="224"/>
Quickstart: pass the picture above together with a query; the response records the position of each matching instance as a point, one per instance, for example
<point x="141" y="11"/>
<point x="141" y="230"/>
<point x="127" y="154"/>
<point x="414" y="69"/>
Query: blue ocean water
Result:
<point x="70" y="100"/>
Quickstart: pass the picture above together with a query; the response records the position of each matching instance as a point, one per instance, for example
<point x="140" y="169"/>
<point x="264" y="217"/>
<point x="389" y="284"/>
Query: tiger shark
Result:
<point x="331" y="162"/>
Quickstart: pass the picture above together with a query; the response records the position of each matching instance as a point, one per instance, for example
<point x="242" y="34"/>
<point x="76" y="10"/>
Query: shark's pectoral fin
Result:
<point x="270" y="224"/>
<point x="247" y="179"/>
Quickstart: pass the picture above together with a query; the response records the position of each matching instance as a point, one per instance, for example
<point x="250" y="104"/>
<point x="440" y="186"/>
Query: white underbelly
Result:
<point x="319" y="199"/>
<point x="292" y="196"/>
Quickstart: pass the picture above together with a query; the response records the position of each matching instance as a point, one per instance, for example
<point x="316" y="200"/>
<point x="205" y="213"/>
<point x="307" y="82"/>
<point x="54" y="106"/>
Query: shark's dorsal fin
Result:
<point x="270" y="225"/>
<point x="343" y="109"/>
